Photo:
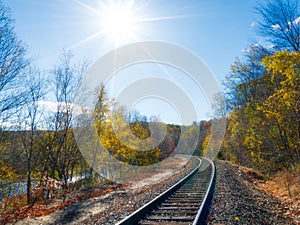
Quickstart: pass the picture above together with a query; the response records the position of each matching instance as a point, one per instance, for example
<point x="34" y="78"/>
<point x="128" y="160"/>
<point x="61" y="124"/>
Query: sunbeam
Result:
<point x="121" y="21"/>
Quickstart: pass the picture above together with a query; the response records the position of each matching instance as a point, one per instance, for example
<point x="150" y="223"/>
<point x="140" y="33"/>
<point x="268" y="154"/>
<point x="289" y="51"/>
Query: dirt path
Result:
<point x="103" y="207"/>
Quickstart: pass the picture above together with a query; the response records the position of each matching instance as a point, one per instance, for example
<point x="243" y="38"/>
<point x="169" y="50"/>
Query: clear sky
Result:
<point x="216" y="30"/>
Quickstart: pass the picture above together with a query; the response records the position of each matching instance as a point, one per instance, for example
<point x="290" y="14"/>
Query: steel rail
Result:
<point x="139" y="214"/>
<point x="209" y="191"/>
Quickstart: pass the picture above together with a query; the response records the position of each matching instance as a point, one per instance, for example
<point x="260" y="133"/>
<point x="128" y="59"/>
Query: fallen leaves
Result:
<point x="286" y="189"/>
<point x="45" y="208"/>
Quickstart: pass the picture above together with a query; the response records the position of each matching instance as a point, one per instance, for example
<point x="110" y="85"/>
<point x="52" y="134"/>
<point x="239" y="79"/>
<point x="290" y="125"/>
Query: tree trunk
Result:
<point x="28" y="184"/>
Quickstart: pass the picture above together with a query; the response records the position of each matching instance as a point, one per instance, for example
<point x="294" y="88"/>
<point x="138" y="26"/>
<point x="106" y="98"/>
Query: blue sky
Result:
<point x="215" y="30"/>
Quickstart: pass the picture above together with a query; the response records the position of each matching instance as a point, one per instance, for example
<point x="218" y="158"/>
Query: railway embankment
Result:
<point x="240" y="199"/>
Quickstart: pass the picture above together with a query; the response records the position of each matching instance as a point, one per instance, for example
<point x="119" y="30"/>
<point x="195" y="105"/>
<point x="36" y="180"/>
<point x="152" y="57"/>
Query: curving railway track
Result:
<point x="182" y="204"/>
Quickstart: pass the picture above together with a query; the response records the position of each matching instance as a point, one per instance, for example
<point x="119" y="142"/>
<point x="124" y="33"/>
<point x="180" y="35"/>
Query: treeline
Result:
<point x="262" y="92"/>
<point x="36" y="136"/>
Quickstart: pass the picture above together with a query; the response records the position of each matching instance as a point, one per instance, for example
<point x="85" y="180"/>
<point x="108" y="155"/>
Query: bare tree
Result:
<point x="244" y="84"/>
<point x="62" y="151"/>
<point x="29" y="120"/>
<point x="280" y="23"/>
<point x="219" y="106"/>
<point x="13" y="64"/>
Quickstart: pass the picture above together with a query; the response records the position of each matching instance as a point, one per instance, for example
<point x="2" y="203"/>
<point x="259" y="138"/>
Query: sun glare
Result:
<point x="119" y="22"/>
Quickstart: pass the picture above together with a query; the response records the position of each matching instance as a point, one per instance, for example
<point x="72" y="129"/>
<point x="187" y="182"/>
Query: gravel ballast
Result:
<point x="236" y="200"/>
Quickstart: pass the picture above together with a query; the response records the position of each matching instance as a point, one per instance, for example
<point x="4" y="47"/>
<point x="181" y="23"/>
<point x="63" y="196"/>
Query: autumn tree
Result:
<point x="283" y="106"/>
<point x="127" y="141"/>
<point x="263" y="127"/>
<point x="262" y="94"/>
<point x="6" y="171"/>
<point x="125" y="135"/>
<point x="101" y="115"/>
<point x="246" y="88"/>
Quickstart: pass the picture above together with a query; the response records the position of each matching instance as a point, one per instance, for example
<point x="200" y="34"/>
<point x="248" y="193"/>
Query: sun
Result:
<point x="119" y="21"/>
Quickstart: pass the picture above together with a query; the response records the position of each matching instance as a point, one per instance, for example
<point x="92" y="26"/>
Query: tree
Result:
<point x="263" y="127"/>
<point x="100" y="114"/>
<point x="62" y="153"/>
<point x="262" y="92"/>
<point x="248" y="137"/>
<point x="280" y="23"/>
<point x="6" y="171"/>
<point x="13" y="64"/>
<point x="128" y="142"/>
<point x="219" y="107"/>
<point x="244" y="84"/>
<point x="283" y="105"/>
<point x="30" y="120"/>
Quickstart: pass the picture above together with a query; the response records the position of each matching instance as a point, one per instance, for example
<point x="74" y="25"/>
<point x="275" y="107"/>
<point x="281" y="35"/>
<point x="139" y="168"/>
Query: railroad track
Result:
<point x="182" y="204"/>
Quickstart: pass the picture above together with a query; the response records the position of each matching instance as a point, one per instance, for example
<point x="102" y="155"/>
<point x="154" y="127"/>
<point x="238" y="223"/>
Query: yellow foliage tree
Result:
<point x="284" y="105"/>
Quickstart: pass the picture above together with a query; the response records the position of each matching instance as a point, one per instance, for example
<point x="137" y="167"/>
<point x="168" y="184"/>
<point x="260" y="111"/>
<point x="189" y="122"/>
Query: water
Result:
<point x="11" y="188"/>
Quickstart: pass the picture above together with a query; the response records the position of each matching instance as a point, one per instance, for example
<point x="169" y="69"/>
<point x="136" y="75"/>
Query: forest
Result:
<point x="262" y="93"/>
<point x="38" y="149"/>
